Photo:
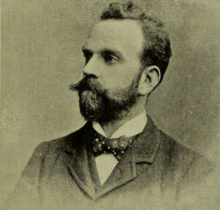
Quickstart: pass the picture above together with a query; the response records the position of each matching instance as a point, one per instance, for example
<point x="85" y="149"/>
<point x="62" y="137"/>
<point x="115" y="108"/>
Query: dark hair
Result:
<point x="157" y="49"/>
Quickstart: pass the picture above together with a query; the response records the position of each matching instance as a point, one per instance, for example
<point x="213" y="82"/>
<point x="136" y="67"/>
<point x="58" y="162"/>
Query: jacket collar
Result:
<point x="76" y="152"/>
<point x="147" y="143"/>
<point x="145" y="146"/>
<point x="144" y="150"/>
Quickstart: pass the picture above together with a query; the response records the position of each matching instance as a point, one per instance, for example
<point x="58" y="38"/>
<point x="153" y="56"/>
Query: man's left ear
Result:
<point x="150" y="78"/>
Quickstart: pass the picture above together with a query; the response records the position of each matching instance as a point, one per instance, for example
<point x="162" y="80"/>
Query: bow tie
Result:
<point x="117" y="146"/>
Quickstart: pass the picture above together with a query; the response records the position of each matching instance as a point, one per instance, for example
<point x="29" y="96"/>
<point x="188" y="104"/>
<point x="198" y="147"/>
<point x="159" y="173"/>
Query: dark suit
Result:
<point x="153" y="174"/>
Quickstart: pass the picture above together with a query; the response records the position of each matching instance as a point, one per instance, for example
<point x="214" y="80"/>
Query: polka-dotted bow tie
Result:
<point x="118" y="146"/>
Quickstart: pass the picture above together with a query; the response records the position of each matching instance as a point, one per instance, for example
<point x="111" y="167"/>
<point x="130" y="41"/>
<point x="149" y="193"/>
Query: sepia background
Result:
<point x="41" y="56"/>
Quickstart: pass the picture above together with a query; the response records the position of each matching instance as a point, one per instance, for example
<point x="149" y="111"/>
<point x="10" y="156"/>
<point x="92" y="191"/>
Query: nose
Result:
<point x="92" y="68"/>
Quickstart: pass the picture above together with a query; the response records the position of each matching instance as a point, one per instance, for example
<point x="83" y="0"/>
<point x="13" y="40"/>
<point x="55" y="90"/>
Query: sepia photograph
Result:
<point x="110" y="105"/>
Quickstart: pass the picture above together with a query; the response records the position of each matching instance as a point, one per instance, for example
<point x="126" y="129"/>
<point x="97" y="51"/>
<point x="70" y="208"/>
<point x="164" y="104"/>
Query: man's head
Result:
<point x="126" y="56"/>
<point x="156" y="48"/>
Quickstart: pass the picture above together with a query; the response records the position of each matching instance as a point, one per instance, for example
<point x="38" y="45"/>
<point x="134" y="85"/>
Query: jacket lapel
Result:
<point x="148" y="143"/>
<point x="143" y="151"/>
<point x="79" y="153"/>
<point x="78" y="161"/>
<point x="124" y="172"/>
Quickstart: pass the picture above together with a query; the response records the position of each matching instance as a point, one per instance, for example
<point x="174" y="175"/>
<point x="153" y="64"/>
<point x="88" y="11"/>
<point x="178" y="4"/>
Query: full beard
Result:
<point x="101" y="105"/>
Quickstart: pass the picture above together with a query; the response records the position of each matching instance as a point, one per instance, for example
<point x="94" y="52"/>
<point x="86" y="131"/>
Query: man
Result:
<point x="119" y="159"/>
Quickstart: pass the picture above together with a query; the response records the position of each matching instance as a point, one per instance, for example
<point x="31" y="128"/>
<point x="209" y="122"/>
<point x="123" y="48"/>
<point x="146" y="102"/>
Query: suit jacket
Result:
<point x="157" y="172"/>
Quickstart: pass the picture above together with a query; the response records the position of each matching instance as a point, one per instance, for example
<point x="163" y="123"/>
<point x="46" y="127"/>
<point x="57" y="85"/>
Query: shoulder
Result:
<point x="174" y="149"/>
<point x="169" y="147"/>
<point x="191" y="167"/>
<point x="181" y="154"/>
<point x="46" y="153"/>
<point x="195" y="175"/>
<point x="55" y="146"/>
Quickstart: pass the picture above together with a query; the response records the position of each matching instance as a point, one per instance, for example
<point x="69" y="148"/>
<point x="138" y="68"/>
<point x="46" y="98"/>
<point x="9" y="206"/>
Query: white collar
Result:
<point x="131" y="128"/>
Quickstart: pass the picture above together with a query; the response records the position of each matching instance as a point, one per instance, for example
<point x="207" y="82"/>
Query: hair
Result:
<point x="157" y="48"/>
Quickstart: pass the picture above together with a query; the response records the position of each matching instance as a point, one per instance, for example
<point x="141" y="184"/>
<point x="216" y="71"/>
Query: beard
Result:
<point x="101" y="105"/>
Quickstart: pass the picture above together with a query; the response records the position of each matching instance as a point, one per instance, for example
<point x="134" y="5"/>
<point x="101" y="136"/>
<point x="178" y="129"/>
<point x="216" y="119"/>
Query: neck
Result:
<point x="111" y="127"/>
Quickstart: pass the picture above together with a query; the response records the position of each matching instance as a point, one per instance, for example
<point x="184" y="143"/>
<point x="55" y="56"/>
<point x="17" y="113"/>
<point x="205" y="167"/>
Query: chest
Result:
<point x="150" y="186"/>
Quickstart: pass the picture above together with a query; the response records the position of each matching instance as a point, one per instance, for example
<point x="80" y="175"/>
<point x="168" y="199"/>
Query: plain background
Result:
<point x="41" y="57"/>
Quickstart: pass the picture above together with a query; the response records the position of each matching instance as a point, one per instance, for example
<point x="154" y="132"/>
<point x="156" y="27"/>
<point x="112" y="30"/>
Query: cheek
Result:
<point x="122" y="76"/>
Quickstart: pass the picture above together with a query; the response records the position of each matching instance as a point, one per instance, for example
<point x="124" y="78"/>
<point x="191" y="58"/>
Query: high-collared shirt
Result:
<point x="105" y="163"/>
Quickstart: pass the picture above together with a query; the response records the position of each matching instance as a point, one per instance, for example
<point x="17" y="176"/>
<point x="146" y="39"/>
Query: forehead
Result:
<point x="123" y="35"/>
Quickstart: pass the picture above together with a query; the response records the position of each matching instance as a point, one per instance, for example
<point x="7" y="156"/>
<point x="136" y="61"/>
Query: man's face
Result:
<point x="112" y="69"/>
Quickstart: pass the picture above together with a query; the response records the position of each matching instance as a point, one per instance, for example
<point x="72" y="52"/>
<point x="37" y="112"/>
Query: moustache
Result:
<point x="87" y="83"/>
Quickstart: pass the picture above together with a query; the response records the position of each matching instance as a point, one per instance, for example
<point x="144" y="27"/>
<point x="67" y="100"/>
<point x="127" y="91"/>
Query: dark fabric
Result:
<point x="116" y="146"/>
<point x="156" y="172"/>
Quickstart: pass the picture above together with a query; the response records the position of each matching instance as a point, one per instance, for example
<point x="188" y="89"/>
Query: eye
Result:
<point x="110" y="58"/>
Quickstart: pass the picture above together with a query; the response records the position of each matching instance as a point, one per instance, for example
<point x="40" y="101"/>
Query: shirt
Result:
<point x="105" y="163"/>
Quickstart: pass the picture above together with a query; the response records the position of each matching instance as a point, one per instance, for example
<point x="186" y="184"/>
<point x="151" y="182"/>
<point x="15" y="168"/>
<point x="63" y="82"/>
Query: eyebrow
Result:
<point x="105" y="50"/>
<point x="84" y="49"/>
<point x="113" y="52"/>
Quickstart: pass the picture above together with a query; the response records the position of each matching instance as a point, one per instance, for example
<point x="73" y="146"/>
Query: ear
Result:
<point x="149" y="80"/>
